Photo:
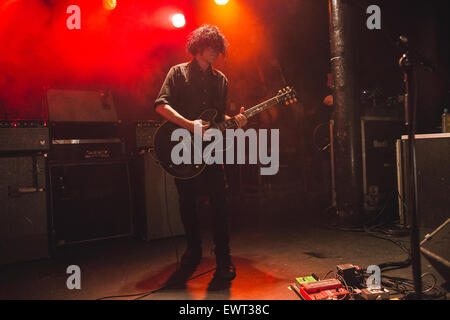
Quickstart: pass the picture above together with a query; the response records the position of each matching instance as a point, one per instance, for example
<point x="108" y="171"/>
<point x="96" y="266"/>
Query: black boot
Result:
<point x="189" y="262"/>
<point x="191" y="258"/>
<point x="225" y="268"/>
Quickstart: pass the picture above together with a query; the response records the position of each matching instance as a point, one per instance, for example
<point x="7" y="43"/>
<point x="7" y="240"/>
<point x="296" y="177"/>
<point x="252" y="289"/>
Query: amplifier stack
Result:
<point x="89" y="176"/>
<point x="23" y="190"/>
<point x="81" y="175"/>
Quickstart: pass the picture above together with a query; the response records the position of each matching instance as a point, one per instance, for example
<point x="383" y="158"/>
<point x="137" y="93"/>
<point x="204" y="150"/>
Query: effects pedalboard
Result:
<point x="330" y="289"/>
<point x="311" y="288"/>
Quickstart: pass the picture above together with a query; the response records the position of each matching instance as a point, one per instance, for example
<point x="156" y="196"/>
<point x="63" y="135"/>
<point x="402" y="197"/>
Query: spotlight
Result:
<point x="178" y="20"/>
<point x="221" y="2"/>
<point x="109" y="4"/>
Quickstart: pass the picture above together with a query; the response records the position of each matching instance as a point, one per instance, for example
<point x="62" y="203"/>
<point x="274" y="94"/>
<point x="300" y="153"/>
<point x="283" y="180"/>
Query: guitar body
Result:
<point x="164" y="145"/>
<point x="163" y="148"/>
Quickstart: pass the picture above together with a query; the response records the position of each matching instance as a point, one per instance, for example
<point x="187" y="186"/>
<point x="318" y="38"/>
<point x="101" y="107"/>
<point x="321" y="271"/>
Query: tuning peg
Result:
<point x="279" y="91"/>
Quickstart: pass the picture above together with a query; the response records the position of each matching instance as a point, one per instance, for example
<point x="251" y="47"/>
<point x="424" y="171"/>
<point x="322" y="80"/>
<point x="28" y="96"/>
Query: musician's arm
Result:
<point x="173" y="116"/>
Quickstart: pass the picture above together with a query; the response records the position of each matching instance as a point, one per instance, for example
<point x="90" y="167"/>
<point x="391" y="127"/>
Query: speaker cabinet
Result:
<point x="157" y="206"/>
<point x="139" y="135"/>
<point x="65" y="105"/>
<point x="378" y="137"/>
<point x="23" y="208"/>
<point x="435" y="247"/>
<point x="433" y="178"/>
<point x="90" y="201"/>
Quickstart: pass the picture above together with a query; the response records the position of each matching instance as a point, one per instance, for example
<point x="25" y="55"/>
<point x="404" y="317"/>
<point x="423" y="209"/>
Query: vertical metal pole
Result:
<point x="410" y="120"/>
<point x="347" y="115"/>
<point x="333" y="170"/>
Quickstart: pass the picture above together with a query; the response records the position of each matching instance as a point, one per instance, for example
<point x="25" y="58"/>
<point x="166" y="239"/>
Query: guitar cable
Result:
<point x="168" y="220"/>
<point x="142" y="295"/>
<point x="314" y="136"/>
<point x="166" y="203"/>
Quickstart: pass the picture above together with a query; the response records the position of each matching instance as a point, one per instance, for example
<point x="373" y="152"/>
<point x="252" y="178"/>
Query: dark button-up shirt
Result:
<point x="189" y="90"/>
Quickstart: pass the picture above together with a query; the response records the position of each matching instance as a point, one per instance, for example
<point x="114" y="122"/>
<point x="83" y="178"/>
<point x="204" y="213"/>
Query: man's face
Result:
<point x="210" y="55"/>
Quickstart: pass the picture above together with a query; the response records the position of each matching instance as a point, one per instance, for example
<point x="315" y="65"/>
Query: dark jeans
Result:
<point x="210" y="182"/>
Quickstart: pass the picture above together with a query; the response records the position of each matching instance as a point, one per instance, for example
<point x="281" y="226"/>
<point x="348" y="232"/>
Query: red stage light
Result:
<point x="178" y="20"/>
<point x="109" y="4"/>
<point x="221" y="2"/>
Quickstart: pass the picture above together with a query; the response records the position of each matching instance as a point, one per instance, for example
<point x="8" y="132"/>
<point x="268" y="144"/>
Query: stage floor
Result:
<point x="270" y="248"/>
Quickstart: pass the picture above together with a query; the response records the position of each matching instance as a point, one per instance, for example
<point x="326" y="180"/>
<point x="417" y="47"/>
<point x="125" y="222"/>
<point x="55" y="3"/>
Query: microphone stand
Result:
<point x="407" y="63"/>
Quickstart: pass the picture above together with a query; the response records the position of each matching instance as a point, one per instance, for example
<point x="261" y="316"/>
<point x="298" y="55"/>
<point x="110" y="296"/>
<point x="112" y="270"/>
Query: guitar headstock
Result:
<point x="287" y="95"/>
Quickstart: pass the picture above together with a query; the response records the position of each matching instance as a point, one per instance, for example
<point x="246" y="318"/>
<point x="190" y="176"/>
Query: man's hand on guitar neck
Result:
<point x="241" y="120"/>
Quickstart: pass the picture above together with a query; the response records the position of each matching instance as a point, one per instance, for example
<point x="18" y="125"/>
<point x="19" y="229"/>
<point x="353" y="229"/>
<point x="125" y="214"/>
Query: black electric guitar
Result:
<point x="163" y="144"/>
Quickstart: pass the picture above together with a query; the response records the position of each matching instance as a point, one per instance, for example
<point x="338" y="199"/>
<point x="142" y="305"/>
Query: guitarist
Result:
<point x="190" y="88"/>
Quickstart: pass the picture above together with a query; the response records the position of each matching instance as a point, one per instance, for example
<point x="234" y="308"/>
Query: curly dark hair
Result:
<point x="204" y="37"/>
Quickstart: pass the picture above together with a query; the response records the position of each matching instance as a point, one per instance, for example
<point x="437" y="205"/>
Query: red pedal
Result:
<point x="321" y="285"/>
<point x="330" y="289"/>
<point x="333" y="294"/>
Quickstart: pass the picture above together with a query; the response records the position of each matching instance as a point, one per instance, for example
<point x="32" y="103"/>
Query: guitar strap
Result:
<point x="217" y="102"/>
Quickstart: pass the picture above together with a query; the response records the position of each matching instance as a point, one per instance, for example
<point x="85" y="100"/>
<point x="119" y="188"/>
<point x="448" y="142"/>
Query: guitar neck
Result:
<point x="231" y="123"/>
<point x="260" y="107"/>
